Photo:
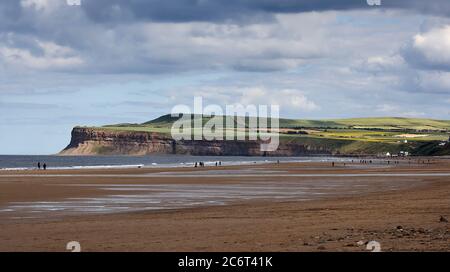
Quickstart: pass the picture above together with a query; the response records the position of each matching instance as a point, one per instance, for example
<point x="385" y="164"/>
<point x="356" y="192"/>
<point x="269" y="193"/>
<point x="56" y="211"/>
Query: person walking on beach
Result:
<point x="39" y="165"/>
<point x="45" y="166"/>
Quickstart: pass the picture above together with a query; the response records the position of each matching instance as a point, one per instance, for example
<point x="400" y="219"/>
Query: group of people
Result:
<point x="202" y="164"/>
<point x="44" y="166"/>
<point x="333" y="164"/>
<point x="199" y="164"/>
<point x="365" y="161"/>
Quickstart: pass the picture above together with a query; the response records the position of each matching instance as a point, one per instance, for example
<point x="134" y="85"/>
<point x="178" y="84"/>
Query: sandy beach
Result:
<point x="265" y="207"/>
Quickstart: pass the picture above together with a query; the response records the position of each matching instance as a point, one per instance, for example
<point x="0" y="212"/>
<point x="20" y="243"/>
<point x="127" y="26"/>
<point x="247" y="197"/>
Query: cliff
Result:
<point x="369" y="136"/>
<point x="99" y="141"/>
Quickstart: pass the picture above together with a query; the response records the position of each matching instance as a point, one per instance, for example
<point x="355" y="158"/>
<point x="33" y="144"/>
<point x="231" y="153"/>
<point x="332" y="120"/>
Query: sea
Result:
<point x="29" y="162"/>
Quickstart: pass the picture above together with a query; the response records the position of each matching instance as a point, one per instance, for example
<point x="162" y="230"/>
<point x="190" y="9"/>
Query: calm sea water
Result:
<point x="8" y="162"/>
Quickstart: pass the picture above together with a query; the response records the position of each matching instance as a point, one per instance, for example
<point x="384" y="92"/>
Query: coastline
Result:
<point x="189" y="162"/>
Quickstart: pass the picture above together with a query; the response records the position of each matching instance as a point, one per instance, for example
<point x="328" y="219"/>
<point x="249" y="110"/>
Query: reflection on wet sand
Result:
<point x="144" y="197"/>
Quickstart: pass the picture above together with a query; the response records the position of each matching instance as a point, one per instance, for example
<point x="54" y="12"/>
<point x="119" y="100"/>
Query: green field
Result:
<point x="382" y="123"/>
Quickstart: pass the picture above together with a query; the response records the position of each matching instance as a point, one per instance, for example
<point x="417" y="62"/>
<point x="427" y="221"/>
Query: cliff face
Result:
<point x="93" y="141"/>
<point x="90" y="141"/>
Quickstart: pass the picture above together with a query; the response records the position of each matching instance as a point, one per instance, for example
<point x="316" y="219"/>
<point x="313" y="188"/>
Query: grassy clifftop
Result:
<point x="382" y="123"/>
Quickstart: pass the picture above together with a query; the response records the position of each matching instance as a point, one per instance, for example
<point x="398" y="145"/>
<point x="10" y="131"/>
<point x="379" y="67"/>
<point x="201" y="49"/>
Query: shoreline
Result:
<point x="211" y="163"/>
<point x="181" y="165"/>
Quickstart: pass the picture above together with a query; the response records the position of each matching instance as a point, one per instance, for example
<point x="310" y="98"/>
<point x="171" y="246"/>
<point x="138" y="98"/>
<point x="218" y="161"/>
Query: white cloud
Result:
<point x="53" y="56"/>
<point x="291" y="101"/>
<point x="383" y="63"/>
<point x="296" y="100"/>
<point x="431" y="49"/>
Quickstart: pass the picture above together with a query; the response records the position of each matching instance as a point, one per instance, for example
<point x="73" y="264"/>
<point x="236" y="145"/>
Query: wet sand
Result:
<point x="285" y="207"/>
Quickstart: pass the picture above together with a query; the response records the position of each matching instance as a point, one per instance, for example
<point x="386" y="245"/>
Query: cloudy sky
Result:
<point x="113" y="61"/>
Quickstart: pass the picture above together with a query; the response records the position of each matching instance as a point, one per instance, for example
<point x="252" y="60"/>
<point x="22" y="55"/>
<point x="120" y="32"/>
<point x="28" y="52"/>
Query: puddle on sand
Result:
<point x="143" y="197"/>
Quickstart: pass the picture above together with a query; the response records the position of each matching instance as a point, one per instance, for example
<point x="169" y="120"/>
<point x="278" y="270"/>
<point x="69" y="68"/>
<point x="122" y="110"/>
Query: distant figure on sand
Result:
<point x="45" y="166"/>
<point x="39" y="165"/>
<point x="195" y="164"/>
<point x="332" y="164"/>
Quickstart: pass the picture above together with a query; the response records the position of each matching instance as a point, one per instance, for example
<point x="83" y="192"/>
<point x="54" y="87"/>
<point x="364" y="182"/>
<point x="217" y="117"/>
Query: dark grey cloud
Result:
<point x="10" y="13"/>
<point x="111" y="11"/>
<point x="15" y="17"/>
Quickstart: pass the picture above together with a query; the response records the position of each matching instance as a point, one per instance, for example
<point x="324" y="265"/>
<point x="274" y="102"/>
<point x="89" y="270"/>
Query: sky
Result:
<point x="117" y="61"/>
